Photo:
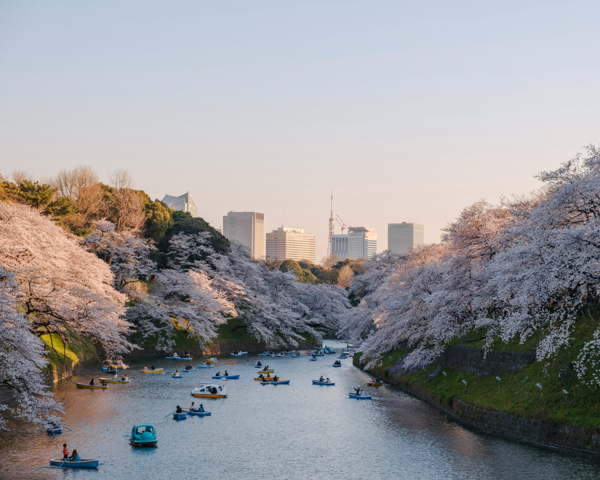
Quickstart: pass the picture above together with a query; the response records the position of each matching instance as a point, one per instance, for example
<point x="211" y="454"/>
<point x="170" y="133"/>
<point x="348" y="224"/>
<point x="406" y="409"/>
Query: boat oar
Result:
<point x="170" y="414"/>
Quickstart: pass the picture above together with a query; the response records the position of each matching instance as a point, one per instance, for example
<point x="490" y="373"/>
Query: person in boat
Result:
<point x="259" y="364"/>
<point x="218" y="374"/>
<point x="176" y="372"/>
<point x="145" y="368"/>
<point x="357" y="390"/>
<point x="178" y="409"/>
<point x="275" y="378"/>
<point x="115" y="376"/>
<point x="103" y="383"/>
<point x="201" y="408"/>
<point x="65" y="452"/>
<point x="192" y="408"/>
<point x="321" y="379"/>
<point x="75" y="456"/>
<point x="327" y="381"/>
<point x="205" y="362"/>
<point x="188" y="367"/>
<point x="126" y="378"/>
<point x="261" y="376"/>
<point x="92" y="382"/>
<point x="377" y="380"/>
<point x="152" y="368"/>
<point x="226" y="374"/>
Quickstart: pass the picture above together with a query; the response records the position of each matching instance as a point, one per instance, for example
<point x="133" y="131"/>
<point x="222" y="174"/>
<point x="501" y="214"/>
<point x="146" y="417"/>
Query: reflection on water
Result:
<point x="298" y="431"/>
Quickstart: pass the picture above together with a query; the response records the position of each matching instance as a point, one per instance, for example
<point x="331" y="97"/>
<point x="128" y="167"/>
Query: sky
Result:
<point x="408" y="111"/>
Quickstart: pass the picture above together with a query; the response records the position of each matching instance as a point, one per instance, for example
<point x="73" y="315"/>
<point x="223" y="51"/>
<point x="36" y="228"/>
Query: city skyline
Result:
<point x="410" y="114"/>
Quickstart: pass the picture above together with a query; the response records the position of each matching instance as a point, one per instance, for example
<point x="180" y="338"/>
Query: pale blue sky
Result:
<point x="410" y="111"/>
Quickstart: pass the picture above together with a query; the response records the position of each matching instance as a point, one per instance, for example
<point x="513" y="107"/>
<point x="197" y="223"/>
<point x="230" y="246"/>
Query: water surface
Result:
<point x="298" y="431"/>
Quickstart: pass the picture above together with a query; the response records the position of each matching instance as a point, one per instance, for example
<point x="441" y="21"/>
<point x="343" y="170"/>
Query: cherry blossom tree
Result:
<point x="21" y="362"/>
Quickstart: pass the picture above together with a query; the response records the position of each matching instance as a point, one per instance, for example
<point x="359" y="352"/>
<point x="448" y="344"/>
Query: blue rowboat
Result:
<point x="200" y="414"/>
<point x="241" y="354"/>
<point x="143" y="436"/>
<point x="317" y="382"/>
<point x="180" y="416"/>
<point x="359" y="397"/>
<point x="228" y="377"/>
<point x="280" y="382"/>
<point x="318" y="354"/>
<point x="205" y="366"/>
<point x="295" y="355"/>
<point x="83" y="463"/>
<point x="336" y="366"/>
<point x="313" y="359"/>
<point x="258" y="366"/>
<point x="109" y="370"/>
<point x="54" y="431"/>
<point x="177" y="376"/>
<point x="186" y="371"/>
<point x="180" y="358"/>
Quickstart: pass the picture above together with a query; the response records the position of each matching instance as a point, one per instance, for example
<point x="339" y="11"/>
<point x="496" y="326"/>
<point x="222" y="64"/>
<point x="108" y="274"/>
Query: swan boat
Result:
<point x="143" y="436"/>
<point x="210" y="390"/>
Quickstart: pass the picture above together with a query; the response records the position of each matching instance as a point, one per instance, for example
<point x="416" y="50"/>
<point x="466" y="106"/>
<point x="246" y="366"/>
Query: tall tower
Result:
<point x="331" y="229"/>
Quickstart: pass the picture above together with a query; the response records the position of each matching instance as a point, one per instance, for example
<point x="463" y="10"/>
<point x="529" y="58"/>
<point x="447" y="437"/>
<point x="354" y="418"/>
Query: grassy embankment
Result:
<point x="515" y="392"/>
<point x="63" y="357"/>
<point x="229" y="333"/>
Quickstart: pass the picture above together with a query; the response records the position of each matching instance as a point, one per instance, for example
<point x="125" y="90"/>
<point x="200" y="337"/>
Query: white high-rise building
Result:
<point x="290" y="244"/>
<point x="359" y="242"/>
<point x="403" y="237"/>
<point x="182" y="203"/>
<point x="247" y="229"/>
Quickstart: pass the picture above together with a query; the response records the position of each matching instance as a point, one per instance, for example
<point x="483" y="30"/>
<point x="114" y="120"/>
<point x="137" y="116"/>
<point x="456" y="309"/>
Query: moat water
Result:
<point x="298" y="431"/>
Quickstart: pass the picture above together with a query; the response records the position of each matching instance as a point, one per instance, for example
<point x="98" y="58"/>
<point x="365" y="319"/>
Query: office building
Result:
<point x="182" y="203"/>
<point x="403" y="237"/>
<point x="290" y="244"/>
<point x="359" y="242"/>
<point x="247" y="229"/>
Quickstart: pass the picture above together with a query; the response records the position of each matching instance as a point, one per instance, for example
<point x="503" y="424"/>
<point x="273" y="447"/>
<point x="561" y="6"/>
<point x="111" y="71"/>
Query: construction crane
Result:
<point x="342" y="223"/>
<point x="331" y="230"/>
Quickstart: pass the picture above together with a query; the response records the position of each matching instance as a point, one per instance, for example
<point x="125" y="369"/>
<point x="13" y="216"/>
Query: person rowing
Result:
<point x="152" y="368"/>
<point x="259" y="364"/>
<point x="261" y="376"/>
<point x="226" y="374"/>
<point x="201" y="408"/>
<point x="275" y="378"/>
<point x="192" y="408"/>
<point x="357" y="390"/>
<point x="218" y="374"/>
<point x="92" y="382"/>
<point x="178" y="410"/>
<point x="188" y="367"/>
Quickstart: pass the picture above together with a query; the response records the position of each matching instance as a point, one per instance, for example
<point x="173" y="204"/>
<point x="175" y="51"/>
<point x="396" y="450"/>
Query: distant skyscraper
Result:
<point x="290" y="244"/>
<point x="247" y="229"/>
<point x="182" y="203"/>
<point x="359" y="242"/>
<point x="403" y="237"/>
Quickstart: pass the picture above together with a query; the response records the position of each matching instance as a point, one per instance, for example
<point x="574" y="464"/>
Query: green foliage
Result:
<point x="303" y="275"/>
<point x="159" y="219"/>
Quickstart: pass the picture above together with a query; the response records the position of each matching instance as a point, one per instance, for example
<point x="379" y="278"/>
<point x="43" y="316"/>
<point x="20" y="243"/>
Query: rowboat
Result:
<point x="157" y="370"/>
<point x="177" y="357"/>
<point x="228" y="377"/>
<point x="239" y="354"/>
<point x="87" y="385"/>
<point x="210" y="390"/>
<point x="112" y="371"/>
<point x="374" y="384"/>
<point x="329" y="350"/>
<point x="318" y="354"/>
<point x="266" y="354"/>
<point x="186" y="371"/>
<point x="266" y="371"/>
<point x="279" y="382"/>
<point x="318" y="382"/>
<point x="336" y="366"/>
<point x="143" y="436"/>
<point x="295" y="355"/>
<point x="212" y="360"/>
<point x="264" y="379"/>
<point x="313" y="359"/>
<point x="205" y="366"/>
<point x="279" y="355"/>
<point x="177" y="376"/>
<point x="343" y="356"/>
<point x="359" y="397"/>
<point x="199" y="414"/>
<point x="258" y="366"/>
<point x="54" y="431"/>
<point x="110" y="380"/>
<point x="180" y="416"/>
<point x="83" y="463"/>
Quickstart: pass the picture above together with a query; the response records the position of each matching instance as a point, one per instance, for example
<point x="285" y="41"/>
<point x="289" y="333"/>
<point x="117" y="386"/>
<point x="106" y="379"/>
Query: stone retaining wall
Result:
<point x="536" y="431"/>
<point x="472" y="360"/>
